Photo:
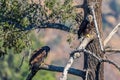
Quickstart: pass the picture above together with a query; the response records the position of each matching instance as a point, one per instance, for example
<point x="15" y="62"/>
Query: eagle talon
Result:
<point x="88" y="35"/>
<point x="42" y="64"/>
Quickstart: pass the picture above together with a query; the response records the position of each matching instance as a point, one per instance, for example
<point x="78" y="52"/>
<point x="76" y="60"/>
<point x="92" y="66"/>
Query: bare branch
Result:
<point x="102" y="60"/>
<point x="85" y="42"/>
<point x="82" y="45"/>
<point x="96" y="26"/>
<point x="60" y="69"/>
<point x="56" y="69"/>
<point x="67" y="67"/>
<point x="87" y="52"/>
<point x="98" y="58"/>
<point x="110" y="62"/>
<point x="87" y="72"/>
<point x="74" y="55"/>
<point x="111" y="34"/>
<point x="113" y="50"/>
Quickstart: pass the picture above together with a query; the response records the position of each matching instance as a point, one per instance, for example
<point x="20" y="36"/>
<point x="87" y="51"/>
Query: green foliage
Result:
<point x="25" y="22"/>
<point x="13" y="39"/>
<point x="17" y="15"/>
<point x="9" y="69"/>
<point x="50" y="4"/>
<point x="64" y="12"/>
<point x="12" y="21"/>
<point x="35" y="41"/>
<point x="44" y="75"/>
<point x="61" y="9"/>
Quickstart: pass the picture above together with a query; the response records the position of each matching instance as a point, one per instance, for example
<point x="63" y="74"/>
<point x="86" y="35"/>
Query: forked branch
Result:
<point x="74" y="55"/>
<point x="110" y="62"/>
<point x="99" y="58"/>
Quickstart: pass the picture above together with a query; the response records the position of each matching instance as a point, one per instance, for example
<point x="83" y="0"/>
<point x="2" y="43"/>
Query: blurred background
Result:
<point x="60" y="49"/>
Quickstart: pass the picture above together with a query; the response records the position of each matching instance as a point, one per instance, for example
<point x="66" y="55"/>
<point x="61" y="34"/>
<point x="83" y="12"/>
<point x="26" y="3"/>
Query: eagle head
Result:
<point x="46" y="48"/>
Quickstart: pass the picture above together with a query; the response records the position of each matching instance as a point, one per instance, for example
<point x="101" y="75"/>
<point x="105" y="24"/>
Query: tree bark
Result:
<point x="96" y="71"/>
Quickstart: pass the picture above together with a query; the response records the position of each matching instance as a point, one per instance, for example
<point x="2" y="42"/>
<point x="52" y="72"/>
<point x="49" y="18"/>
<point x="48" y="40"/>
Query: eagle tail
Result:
<point x="32" y="74"/>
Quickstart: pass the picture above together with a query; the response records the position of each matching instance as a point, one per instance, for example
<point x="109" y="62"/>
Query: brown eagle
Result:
<point x="38" y="57"/>
<point x="86" y="26"/>
<point x="36" y="60"/>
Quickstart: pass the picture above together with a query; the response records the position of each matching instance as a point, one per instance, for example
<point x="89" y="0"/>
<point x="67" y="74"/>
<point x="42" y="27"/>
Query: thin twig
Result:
<point x="111" y="34"/>
<point x="93" y="54"/>
<point x="22" y="60"/>
<point x="96" y="27"/>
<point x="21" y="63"/>
<point x="113" y="50"/>
<point x="103" y="60"/>
<point x="87" y="52"/>
<point x="87" y="72"/>
<point x="110" y="62"/>
<point x="100" y="59"/>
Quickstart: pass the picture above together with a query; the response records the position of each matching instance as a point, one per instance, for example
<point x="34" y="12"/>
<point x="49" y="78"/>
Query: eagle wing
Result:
<point x="38" y="58"/>
<point x="82" y="28"/>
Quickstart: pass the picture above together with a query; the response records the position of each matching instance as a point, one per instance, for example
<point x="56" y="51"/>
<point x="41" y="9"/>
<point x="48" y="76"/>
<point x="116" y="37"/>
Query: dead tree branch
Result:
<point x="86" y="76"/>
<point x="96" y="26"/>
<point x="99" y="58"/>
<point x="67" y="67"/>
<point x="113" y="50"/>
<point x="102" y="60"/>
<point x="86" y="52"/>
<point x="110" y="62"/>
<point x="57" y="69"/>
<point x="111" y="34"/>
<point x="75" y="55"/>
<point x="85" y="42"/>
<point x="60" y="69"/>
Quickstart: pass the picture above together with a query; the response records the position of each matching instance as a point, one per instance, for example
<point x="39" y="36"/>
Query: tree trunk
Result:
<point x="96" y="71"/>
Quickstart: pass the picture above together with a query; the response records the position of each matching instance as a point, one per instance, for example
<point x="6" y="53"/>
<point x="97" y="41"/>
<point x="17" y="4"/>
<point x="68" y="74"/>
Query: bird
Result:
<point x="38" y="57"/>
<point x="36" y="60"/>
<point x="86" y="26"/>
